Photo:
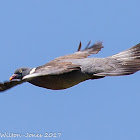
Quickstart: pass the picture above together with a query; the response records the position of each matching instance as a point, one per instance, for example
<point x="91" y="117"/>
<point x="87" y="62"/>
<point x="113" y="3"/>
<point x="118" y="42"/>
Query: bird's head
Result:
<point x="20" y="73"/>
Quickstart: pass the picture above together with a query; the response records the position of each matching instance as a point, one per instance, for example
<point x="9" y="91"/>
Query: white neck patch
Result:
<point x="33" y="70"/>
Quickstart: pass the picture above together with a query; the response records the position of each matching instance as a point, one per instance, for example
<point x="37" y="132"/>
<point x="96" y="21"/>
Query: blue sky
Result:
<point x="33" y="32"/>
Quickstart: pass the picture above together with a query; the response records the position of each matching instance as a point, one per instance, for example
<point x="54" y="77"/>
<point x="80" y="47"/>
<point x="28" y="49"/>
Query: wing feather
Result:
<point x="9" y="84"/>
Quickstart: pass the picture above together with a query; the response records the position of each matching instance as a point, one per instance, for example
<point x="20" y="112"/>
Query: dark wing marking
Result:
<point x="80" y="45"/>
<point x="9" y="84"/>
<point x="87" y="46"/>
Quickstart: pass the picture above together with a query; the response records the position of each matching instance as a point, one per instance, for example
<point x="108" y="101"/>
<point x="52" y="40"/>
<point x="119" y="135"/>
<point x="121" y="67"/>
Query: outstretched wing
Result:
<point x="9" y="84"/>
<point x="53" y="68"/>
<point x="80" y="54"/>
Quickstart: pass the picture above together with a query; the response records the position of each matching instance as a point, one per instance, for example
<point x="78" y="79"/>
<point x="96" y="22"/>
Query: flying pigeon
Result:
<point x="69" y="70"/>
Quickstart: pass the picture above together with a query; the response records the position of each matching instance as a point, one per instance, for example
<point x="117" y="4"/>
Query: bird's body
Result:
<point x="62" y="81"/>
<point x="67" y="71"/>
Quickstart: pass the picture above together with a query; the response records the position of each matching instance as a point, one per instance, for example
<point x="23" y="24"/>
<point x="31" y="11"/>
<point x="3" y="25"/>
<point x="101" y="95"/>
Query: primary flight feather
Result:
<point x="69" y="70"/>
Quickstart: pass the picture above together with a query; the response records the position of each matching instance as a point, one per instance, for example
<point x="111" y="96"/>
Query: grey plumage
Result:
<point x="69" y="70"/>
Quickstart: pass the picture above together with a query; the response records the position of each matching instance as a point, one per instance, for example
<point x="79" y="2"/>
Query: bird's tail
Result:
<point x="132" y="54"/>
<point x="124" y="63"/>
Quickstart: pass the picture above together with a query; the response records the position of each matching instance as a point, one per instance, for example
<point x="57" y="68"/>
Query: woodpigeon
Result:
<point x="69" y="70"/>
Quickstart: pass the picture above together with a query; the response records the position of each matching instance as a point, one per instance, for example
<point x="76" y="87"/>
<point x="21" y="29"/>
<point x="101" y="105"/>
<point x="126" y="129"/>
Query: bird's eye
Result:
<point x="20" y="71"/>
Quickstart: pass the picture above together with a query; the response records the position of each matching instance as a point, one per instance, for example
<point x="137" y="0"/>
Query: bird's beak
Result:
<point x="12" y="77"/>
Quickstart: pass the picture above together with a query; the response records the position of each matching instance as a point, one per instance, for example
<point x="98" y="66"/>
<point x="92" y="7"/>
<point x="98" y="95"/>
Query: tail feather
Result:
<point x="124" y="63"/>
<point x="129" y="54"/>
